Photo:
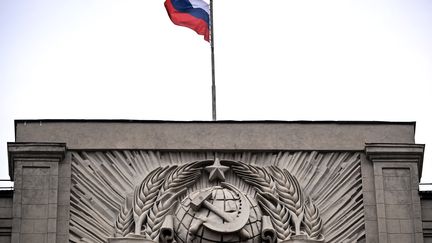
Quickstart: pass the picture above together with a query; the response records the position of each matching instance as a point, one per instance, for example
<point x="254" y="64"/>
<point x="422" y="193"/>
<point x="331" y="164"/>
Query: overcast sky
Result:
<point x="275" y="60"/>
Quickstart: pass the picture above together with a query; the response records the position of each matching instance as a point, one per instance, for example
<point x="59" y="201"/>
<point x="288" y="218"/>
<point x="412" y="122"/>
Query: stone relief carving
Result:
<point x="191" y="197"/>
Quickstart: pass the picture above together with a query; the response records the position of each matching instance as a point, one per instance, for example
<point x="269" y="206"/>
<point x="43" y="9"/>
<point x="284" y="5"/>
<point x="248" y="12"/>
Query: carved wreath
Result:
<point x="278" y="194"/>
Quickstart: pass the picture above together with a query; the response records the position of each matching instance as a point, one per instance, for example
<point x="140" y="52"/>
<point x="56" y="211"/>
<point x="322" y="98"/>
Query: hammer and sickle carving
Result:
<point x="233" y="223"/>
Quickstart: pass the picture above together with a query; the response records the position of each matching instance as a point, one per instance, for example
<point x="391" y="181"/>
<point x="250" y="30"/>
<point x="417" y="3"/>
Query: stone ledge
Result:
<point x="49" y="152"/>
<point x="220" y="135"/>
<point x="394" y="149"/>
<point x="130" y="239"/>
<point x="396" y="152"/>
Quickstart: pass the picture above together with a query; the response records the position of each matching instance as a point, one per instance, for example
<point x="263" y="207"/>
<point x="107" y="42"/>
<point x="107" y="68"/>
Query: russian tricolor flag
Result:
<point x="193" y="14"/>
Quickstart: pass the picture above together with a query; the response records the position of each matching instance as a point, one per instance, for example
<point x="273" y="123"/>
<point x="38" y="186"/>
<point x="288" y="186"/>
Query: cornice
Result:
<point x="396" y="152"/>
<point x="49" y="152"/>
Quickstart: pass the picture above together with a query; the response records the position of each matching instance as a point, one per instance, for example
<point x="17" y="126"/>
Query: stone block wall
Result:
<point x="42" y="174"/>
<point x="395" y="182"/>
<point x="63" y="199"/>
<point x="426" y="208"/>
<point x="6" y="216"/>
<point x="41" y="206"/>
<point x="369" y="200"/>
<point x="35" y="201"/>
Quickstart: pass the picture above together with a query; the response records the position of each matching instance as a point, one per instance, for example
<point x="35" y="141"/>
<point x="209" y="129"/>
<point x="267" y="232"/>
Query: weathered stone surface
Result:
<point x="407" y="226"/>
<point x="6" y="216"/>
<point x="129" y="240"/>
<point x="393" y="226"/>
<point x="34" y="211"/>
<point x="35" y="182"/>
<point x="32" y="196"/>
<point x="214" y="135"/>
<point x="34" y="225"/>
<point x="397" y="183"/>
<point x="125" y="170"/>
<point x="396" y="168"/>
<point x="35" y="167"/>
<point x="401" y="238"/>
<point x="397" y="197"/>
<point x="369" y="195"/>
<point x="33" y="238"/>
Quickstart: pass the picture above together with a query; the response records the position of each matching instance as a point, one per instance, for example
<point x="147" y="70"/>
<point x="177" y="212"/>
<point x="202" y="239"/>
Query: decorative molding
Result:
<point x="219" y="135"/>
<point x="396" y="152"/>
<point x="129" y="196"/>
<point x="47" y="152"/>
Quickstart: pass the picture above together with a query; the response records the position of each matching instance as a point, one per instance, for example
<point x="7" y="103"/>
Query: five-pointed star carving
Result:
<point x="216" y="170"/>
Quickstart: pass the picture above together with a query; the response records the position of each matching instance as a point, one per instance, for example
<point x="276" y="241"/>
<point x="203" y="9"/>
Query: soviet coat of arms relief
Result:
<point x="230" y="200"/>
<point x="269" y="207"/>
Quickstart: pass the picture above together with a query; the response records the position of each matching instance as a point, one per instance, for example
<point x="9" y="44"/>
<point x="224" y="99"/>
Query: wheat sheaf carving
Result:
<point x="182" y="177"/>
<point x="175" y="185"/>
<point x="278" y="213"/>
<point x="124" y="222"/>
<point x="112" y="190"/>
<point x="312" y="220"/>
<point x="159" y="211"/>
<point x="146" y="193"/>
<point x="290" y="194"/>
<point x="256" y="176"/>
<point x="153" y="199"/>
<point x="280" y="195"/>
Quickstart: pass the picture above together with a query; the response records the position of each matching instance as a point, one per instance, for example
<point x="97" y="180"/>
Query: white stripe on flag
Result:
<point x="200" y="4"/>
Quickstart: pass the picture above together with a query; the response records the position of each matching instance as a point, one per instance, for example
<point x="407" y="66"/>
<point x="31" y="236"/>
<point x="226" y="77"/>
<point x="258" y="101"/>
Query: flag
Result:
<point x="193" y="14"/>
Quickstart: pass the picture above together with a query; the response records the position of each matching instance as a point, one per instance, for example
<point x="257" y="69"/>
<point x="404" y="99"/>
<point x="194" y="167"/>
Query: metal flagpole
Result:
<point x="212" y="62"/>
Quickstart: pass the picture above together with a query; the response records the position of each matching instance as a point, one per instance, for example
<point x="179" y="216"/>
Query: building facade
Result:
<point x="155" y="181"/>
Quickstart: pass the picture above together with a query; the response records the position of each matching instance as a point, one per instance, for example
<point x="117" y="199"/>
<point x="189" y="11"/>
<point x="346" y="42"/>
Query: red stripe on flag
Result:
<point x="187" y="20"/>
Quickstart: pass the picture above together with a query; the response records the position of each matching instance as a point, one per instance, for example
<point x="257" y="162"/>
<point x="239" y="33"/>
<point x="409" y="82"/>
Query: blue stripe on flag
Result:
<point x="186" y="7"/>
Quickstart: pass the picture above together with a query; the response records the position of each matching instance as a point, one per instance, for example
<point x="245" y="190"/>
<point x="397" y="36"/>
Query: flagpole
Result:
<point x="212" y="62"/>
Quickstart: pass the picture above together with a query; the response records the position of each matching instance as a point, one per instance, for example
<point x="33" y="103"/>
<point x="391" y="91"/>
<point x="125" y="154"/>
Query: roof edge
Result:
<point x="222" y="121"/>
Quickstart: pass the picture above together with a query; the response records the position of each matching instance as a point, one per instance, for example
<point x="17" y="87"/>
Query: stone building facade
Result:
<point x="155" y="181"/>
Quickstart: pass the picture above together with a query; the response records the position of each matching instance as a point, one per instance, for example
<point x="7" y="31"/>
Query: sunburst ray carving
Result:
<point x="101" y="181"/>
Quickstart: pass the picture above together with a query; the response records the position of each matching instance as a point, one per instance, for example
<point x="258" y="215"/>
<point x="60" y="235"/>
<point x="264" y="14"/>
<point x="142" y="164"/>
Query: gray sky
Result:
<point x="275" y="60"/>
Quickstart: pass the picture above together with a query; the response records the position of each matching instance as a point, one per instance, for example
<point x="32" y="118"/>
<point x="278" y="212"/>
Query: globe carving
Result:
<point x="156" y="211"/>
<point x="204" y="224"/>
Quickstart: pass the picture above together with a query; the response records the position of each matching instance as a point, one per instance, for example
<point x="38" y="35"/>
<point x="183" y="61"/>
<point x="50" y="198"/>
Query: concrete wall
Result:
<point x="41" y="166"/>
<point x="5" y="216"/>
<point x="41" y="197"/>
<point x="214" y="135"/>
<point x="426" y="208"/>
<point x="392" y="203"/>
